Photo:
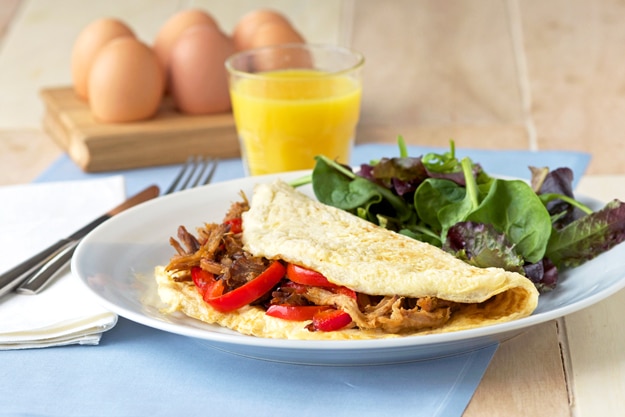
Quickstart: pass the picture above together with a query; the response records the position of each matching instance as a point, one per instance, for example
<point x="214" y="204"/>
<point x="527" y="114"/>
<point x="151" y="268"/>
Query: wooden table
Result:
<point x="574" y="366"/>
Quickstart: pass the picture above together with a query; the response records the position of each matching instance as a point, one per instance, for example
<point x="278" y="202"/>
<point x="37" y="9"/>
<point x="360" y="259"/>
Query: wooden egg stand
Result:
<point x="168" y="138"/>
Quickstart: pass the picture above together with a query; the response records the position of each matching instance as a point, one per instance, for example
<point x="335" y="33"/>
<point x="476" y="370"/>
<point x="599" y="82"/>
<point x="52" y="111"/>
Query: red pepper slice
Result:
<point x="307" y="276"/>
<point x="236" y="224"/>
<point x="206" y="284"/>
<point x="213" y="290"/>
<point x="294" y="313"/>
<point x="345" y="291"/>
<point x="330" y="320"/>
<point x="201" y="278"/>
<point x="249" y="291"/>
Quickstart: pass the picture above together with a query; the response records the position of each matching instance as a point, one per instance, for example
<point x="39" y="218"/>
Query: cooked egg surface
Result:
<point x="126" y="82"/>
<point x="87" y="45"/>
<point x="367" y="258"/>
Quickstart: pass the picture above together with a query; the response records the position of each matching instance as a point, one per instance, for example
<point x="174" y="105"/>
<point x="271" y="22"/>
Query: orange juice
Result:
<point x="285" y="118"/>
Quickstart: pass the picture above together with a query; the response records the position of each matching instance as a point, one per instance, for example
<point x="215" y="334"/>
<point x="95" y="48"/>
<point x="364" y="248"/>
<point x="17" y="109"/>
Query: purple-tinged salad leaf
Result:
<point x="404" y="187"/>
<point x="588" y="236"/>
<point x="403" y="175"/>
<point x="544" y="274"/>
<point x="557" y="182"/>
<point x="481" y="245"/>
<point x="457" y="177"/>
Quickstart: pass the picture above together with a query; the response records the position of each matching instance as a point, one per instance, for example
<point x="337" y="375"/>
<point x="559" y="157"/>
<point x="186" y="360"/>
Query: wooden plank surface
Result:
<point x="525" y="378"/>
<point x="436" y="72"/>
<point x="24" y="154"/>
<point x="575" y="63"/>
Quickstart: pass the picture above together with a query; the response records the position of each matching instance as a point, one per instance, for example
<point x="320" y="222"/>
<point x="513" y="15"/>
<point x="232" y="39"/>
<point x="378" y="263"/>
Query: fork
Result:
<point x="196" y="171"/>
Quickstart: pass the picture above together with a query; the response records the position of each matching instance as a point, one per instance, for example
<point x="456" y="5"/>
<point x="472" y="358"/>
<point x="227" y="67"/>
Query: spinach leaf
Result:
<point x="514" y="209"/>
<point x="442" y="163"/>
<point x="338" y="186"/>
<point x="441" y="203"/>
<point x="422" y="233"/>
<point x="549" y="197"/>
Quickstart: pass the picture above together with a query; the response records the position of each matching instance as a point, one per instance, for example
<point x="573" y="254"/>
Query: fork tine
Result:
<point x="189" y="177"/>
<point x="180" y="176"/>
<point x="201" y="178"/>
<point x="193" y="167"/>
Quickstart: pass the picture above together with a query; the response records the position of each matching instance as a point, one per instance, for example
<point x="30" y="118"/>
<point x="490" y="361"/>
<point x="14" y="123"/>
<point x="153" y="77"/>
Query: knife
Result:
<point x="31" y="269"/>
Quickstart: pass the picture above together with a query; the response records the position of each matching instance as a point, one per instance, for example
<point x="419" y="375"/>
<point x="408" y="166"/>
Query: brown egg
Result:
<point x="126" y="82"/>
<point x="174" y="27"/>
<point x="275" y="33"/>
<point x="199" y="80"/>
<point x="88" y="43"/>
<point x="245" y="29"/>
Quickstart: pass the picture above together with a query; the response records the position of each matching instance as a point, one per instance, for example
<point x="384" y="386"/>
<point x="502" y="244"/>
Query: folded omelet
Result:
<point x="285" y="224"/>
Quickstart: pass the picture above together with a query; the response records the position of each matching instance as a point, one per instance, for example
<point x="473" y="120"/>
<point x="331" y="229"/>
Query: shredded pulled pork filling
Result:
<point x="219" y="250"/>
<point x="388" y="313"/>
<point x="216" y="250"/>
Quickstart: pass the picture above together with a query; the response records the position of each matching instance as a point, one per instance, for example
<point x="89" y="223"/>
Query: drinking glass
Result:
<point x="293" y="102"/>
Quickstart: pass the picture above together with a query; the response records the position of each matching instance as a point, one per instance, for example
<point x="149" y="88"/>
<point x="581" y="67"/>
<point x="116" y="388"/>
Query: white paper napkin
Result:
<point x="33" y="217"/>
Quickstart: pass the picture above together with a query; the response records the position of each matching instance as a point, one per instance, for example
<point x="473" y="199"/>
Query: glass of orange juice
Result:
<point x="293" y="102"/>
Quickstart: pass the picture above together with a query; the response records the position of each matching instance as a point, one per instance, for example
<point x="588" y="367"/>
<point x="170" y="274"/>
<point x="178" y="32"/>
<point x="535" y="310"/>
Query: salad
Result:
<point x="536" y="228"/>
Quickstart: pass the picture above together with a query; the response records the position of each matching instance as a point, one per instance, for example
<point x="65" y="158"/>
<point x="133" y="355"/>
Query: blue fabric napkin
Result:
<point x="138" y="370"/>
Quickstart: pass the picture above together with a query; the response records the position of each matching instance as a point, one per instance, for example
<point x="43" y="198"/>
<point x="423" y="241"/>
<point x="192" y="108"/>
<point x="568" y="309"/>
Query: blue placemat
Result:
<point x="511" y="163"/>
<point x="138" y="371"/>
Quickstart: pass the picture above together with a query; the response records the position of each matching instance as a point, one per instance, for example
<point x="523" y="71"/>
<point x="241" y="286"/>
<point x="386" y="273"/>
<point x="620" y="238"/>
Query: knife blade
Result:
<point x="29" y="268"/>
<point x="42" y="276"/>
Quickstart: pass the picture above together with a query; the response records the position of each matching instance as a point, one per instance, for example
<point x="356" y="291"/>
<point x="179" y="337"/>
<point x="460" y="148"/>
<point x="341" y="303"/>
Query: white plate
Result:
<point x="116" y="261"/>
